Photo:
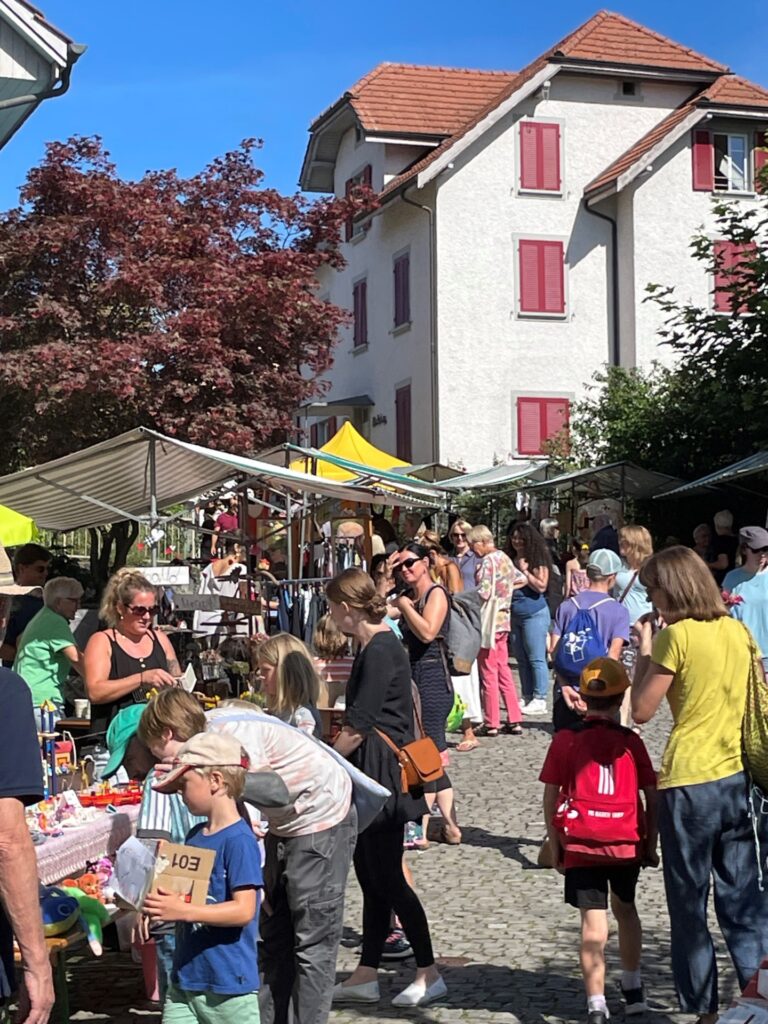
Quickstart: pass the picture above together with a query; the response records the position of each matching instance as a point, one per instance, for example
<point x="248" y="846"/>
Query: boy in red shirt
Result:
<point x="599" y="835"/>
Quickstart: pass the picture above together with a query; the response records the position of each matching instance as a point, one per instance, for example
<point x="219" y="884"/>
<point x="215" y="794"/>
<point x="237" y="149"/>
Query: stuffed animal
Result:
<point x="94" y="916"/>
<point x="58" y="909"/>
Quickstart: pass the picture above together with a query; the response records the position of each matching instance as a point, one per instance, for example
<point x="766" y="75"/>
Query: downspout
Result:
<point x="433" y="366"/>
<point x="616" y="347"/>
<point x="76" y="50"/>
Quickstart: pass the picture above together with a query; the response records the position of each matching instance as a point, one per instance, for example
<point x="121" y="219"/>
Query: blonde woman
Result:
<point x="700" y="662"/>
<point x="635" y="548"/>
<point x="130" y="657"/>
<point x="442" y="567"/>
<point x="290" y="682"/>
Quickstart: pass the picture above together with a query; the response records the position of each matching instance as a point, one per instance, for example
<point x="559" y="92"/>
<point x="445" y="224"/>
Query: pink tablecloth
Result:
<point x="65" y="856"/>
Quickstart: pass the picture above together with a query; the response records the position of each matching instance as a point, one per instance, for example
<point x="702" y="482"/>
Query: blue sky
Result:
<point x="174" y="83"/>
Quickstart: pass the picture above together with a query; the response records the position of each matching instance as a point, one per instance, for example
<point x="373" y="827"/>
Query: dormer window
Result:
<point x="629" y="88"/>
<point x="731" y="164"/>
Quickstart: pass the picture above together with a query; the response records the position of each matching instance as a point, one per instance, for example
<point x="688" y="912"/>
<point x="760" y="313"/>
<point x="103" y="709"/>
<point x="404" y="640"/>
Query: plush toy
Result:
<point x="58" y="909"/>
<point x="94" y="915"/>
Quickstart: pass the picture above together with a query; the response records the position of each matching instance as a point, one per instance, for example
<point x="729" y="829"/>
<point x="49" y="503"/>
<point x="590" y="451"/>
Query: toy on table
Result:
<point x="94" y="916"/>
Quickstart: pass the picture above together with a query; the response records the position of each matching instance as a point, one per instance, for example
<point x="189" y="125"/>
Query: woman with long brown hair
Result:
<point x="379" y="698"/>
<point x="700" y="661"/>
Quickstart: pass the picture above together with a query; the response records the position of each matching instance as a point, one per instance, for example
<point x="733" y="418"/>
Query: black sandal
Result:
<point x="513" y="729"/>
<point x="486" y="730"/>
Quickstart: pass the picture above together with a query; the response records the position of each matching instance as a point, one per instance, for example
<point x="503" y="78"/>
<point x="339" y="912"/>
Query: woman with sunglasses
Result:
<point x="129" y="658"/>
<point x="425" y="610"/>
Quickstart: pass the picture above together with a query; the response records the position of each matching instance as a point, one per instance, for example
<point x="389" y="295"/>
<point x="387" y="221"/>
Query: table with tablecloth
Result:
<point x="65" y="856"/>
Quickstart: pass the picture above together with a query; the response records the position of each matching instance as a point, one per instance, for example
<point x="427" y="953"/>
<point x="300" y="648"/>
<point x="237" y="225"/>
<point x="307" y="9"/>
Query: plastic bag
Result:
<point x="456" y="715"/>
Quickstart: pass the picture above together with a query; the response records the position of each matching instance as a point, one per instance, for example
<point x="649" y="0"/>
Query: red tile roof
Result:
<point x="613" y="39"/>
<point x="606" y="38"/>
<point x="730" y="91"/>
<point x="422" y="100"/>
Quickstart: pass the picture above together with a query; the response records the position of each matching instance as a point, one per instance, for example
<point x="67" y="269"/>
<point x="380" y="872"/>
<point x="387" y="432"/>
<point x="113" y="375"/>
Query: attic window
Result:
<point x="629" y="88"/>
<point x="358" y="134"/>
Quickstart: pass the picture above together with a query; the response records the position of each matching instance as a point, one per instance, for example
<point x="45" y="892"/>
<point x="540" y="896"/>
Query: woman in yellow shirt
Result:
<point x="700" y="662"/>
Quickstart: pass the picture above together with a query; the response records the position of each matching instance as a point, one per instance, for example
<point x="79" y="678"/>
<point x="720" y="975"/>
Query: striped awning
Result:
<point x="112" y="481"/>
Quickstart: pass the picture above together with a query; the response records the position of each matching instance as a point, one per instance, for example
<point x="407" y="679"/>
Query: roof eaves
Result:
<point x="514" y="94"/>
<point x="581" y="64"/>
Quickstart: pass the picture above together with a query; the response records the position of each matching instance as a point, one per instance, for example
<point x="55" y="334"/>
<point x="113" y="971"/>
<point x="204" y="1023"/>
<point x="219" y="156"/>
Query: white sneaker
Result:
<point x="419" y="995"/>
<point x="537" y="706"/>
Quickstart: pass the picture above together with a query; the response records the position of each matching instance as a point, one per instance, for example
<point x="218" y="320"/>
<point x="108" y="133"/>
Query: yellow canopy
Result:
<point x="347" y="443"/>
<point x="15" y="528"/>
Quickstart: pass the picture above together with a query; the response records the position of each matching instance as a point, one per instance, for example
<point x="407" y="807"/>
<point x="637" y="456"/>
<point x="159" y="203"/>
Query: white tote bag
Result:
<point x="490" y="613"/>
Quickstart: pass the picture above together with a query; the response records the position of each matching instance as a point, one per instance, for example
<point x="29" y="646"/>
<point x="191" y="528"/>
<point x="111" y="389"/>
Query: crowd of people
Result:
<point x="605" y="627"/>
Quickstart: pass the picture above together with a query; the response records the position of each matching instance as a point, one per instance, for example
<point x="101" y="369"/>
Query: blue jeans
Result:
<point x="706" y="832"/>
<point x="529" y="639"/>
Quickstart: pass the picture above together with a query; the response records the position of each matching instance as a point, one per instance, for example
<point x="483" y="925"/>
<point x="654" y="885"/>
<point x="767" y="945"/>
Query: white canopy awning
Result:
<point x="113" y="481"/>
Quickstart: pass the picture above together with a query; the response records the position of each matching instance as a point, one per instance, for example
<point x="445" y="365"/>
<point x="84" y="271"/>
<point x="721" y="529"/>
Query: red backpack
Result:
<point x="600" y="805"/>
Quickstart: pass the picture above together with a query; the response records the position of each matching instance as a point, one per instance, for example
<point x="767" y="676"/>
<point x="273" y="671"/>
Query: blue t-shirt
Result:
<point x="611" y="618"/>
<point x="753" y="610"/>
<point x="21" y="776"/>
<point x="222" y="960"/>
<point x="735" y="577"/>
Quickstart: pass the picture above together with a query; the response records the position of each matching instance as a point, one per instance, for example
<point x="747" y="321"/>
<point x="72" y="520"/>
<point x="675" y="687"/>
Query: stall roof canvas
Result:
<point x="348" y="443"/>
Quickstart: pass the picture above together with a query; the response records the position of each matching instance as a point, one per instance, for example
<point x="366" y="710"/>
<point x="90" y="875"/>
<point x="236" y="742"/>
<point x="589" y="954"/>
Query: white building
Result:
<point x="36" y="61"/>
<point x="521" y="217"/>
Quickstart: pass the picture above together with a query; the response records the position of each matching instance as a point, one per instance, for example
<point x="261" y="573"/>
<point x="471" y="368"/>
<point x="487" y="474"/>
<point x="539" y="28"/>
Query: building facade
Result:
<point x="521" y="217"/>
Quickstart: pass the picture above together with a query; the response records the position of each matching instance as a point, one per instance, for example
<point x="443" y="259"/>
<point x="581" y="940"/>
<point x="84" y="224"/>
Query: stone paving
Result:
<point x="506" y="942"/>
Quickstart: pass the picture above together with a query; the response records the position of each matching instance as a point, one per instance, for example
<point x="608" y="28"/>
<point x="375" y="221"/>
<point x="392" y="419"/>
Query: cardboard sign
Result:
<point x="197" y="602"/>
<point x="166" y="575"/>
<point x="240" y="605"/>
<point x="185" y="870"/>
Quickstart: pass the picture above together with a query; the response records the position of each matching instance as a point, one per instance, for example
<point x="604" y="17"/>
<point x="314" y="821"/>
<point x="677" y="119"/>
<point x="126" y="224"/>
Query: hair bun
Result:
<point x="376" y="608"/>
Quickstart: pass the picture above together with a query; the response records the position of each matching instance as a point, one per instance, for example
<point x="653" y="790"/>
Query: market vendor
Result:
<point x="124" y="662"/>
<point x="47" y="649"/>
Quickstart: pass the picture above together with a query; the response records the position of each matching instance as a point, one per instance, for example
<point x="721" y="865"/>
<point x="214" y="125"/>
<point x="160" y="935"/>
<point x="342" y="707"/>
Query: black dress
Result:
<point x="430" y="673"/>
<point x="121" y="665"/>
<point x="379" y="696"/>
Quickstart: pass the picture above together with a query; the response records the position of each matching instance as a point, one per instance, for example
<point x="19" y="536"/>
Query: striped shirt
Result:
<point x="335" y="671"/>
<point x="164" y="815"/>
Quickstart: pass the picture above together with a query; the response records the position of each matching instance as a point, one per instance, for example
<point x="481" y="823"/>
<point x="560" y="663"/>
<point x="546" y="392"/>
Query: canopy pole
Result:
<point x="153" y="497"/>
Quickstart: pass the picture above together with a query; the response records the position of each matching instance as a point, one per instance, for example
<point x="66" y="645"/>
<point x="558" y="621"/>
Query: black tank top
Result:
<point x="121" y="665"/>
<point x="418" y="649"/>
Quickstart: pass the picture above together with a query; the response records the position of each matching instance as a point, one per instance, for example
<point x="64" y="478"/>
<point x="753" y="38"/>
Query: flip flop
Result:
<point x="467" y="745"/>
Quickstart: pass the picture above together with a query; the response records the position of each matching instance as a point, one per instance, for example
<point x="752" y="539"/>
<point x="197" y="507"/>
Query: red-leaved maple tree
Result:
<point x="184" y="304"/>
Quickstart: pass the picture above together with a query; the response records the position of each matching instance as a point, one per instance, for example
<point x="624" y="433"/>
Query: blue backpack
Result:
<point x="581" y="641"/>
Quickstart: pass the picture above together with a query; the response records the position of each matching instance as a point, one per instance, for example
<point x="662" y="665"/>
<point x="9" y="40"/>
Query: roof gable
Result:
<point x="610" y="38"/>
<point x="729" y="91"/>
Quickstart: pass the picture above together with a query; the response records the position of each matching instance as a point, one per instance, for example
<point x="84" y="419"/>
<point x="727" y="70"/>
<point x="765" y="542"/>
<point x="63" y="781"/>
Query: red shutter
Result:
<point x="703" y="162"/>
<point x="539" y="419"/>
<point x="401" y="272"/>
<point x="367" y="176"/>
<point x="529" y="148"/>
<point x="549" y="157"/>
<point x="541" y="273"/>
<point x="348" y="226"/>
<point x="313" y="436"/>
<point x="728" y="273"/>
<point x="556" y="415"/>
<point x="332" y="428"/>
<point x="761" y="157"/>
<point x="403" y="423"/>
<point x="360" y="311"/>
<point x="529" y="426"/>
<point x="540" y="156"/>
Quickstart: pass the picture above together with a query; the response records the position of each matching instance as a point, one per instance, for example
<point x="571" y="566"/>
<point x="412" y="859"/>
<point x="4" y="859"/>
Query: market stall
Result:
<point x="67" y="855"/>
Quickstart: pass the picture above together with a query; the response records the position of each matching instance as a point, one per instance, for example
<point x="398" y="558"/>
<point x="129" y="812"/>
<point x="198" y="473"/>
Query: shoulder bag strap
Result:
<point x="392" y="746"/>
<point x="629" y="586"/>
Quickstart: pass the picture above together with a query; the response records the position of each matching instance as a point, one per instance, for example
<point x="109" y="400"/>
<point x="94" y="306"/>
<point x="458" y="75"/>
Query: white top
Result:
<point x="320" y="789"/>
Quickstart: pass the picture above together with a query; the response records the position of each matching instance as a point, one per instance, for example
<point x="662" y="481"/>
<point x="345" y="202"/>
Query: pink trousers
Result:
<point x="495" y="677"/>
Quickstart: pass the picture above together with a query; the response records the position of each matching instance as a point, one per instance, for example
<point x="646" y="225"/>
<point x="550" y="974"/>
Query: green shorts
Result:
<point x="210" y="1008"/>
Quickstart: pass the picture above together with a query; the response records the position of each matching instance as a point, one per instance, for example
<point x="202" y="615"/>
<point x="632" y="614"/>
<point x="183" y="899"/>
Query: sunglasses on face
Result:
<point x="409" y="563"/>
<point x="458" y="536"/>
<point x="141" y="609"/>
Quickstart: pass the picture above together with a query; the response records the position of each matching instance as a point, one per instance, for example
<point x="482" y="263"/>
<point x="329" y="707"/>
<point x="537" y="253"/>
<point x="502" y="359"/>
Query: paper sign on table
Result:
<point x="185" y="870"/>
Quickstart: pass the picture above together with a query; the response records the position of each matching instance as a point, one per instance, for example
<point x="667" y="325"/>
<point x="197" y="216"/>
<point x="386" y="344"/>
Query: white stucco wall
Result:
<point x="668" y="212"/>
<point x="479" y="218"/>
<point x="390" y="360"/>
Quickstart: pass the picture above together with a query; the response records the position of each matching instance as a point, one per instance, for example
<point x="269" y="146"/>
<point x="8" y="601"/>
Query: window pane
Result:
<point x="737" y="151"/>
<point x="722" y="178"/>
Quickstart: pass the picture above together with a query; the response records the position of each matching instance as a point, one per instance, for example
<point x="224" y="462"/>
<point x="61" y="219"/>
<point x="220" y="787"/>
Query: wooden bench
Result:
<point x="57" y="946"/>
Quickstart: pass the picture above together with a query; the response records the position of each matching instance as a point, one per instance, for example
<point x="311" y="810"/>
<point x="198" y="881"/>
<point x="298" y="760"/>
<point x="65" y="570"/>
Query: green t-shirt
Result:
<point x="707" y="697"/>
<point x="39" y="659"/>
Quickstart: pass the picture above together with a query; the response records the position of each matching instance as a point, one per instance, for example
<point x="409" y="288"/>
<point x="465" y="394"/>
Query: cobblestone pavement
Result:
<point x="506" y="942"/>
